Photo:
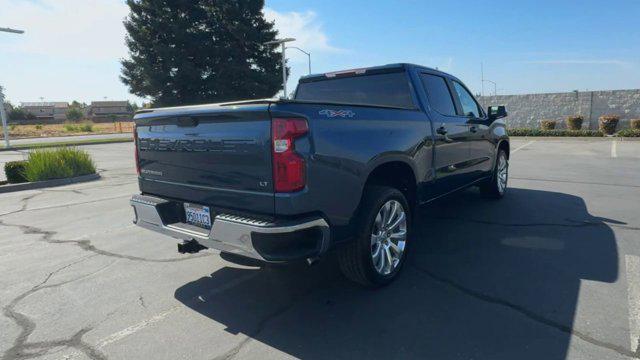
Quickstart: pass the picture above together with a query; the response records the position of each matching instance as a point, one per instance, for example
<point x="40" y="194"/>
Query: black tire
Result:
<point x="492" y="188"/>
<point x="355" y="258"/>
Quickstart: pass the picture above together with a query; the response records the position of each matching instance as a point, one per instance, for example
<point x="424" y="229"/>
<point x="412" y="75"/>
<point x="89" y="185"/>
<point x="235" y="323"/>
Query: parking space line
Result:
<point x="117" y="336"/>
<point x="614" y="149"/>
<point x="633" y="296"/>
<point x="523" y="146"/>
<point x="126" y="332"/>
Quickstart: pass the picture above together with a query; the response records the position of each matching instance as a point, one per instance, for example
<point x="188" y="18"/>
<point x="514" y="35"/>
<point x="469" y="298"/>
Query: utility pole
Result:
<point x="284" y="61"/>
<point x="3" y="115"/>
<point x="481" y="79"/>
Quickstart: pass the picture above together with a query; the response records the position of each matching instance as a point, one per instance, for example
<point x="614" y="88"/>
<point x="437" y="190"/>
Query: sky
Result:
<point x="71" y="49"/>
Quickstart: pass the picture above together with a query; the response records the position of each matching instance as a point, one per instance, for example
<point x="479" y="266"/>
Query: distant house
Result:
<point x="119" y="110"/>
<point x="47" y="111"/>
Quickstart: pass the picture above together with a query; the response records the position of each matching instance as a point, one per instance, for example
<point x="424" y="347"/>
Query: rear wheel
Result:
<point x="377" y="254"/>
<point x="496" y="186"/>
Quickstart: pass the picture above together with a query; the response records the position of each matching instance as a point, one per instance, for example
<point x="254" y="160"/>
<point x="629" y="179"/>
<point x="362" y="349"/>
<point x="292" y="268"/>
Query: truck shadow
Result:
<point x="485" y="280"/>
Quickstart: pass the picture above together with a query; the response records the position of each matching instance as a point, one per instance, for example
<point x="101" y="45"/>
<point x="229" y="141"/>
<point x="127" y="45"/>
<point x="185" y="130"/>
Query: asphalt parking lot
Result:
<point x="552" y="271"/>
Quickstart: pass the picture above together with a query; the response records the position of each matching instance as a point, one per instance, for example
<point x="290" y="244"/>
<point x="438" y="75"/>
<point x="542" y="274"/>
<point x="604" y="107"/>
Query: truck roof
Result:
<point x="358" y="71"/>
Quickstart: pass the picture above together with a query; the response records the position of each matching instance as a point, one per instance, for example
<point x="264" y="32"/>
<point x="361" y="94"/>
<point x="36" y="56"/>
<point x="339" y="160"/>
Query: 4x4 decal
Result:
<point x="337" y="113"/>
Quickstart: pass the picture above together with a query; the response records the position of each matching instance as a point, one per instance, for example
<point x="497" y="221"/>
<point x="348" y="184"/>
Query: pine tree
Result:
<point x="200" y="51"/>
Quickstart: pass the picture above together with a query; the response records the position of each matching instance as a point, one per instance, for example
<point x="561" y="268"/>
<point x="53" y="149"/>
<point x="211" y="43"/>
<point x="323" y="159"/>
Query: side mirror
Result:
<point x="496" y="112"/>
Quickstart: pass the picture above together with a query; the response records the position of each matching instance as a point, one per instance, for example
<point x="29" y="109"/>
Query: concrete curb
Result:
<point x="47" y="183"/>
<point x="36" y="146"/>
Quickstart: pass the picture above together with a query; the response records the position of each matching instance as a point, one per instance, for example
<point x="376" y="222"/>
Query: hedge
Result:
<point x="540" y="132"/>
<point x="629" y="133"/>
<point x="15" y="171"/>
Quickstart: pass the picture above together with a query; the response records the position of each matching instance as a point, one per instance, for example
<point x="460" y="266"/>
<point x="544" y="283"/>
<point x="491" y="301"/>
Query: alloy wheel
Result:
<point x="388" y="237"/>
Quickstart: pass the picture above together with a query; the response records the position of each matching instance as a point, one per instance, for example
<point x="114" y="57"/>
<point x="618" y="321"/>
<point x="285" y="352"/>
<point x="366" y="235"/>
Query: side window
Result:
<point x="438" y="94"/>
<point x="469" y="105"/>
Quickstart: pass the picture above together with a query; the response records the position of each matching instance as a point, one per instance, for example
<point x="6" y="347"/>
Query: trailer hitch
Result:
<point x="190" y="247"/>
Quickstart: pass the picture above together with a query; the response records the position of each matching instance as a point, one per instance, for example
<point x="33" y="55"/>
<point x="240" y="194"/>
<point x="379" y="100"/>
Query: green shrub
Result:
<point x="69" y="127"/>
<point x="86" y="127"/>
<point x="608" y="123"/>
<point x="634" y="124"/>
<point x="547" y="124"/>
<point x="629" y="133"/>
<point x="46" y="164"/>
<point x="568" y="133"/>
<point x="575" y="122"/>
<point x="15" y="171"/>
<point x="74" y="114"/>
<point x="38" y="127"/>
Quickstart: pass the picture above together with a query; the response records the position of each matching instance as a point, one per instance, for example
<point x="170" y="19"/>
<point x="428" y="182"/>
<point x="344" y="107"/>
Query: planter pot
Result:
<point x="608" y="125"/>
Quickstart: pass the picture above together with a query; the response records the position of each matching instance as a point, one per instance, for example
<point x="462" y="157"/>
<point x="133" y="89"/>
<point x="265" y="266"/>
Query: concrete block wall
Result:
<point x="526" y="111"/>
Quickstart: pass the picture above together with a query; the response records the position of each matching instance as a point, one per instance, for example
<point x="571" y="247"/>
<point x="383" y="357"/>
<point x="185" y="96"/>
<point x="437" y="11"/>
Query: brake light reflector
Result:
<point x="135" y="141"/>
<point x="288" y="166"/>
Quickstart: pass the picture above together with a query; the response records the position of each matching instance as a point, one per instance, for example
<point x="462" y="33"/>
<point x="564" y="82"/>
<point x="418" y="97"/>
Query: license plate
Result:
<point x="198" y="215"/>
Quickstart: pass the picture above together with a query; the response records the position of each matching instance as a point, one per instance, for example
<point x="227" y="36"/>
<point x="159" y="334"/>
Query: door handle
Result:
<point x="441" y="130"/>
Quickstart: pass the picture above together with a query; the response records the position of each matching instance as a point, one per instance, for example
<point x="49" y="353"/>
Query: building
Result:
<point x="47" y="111"/>
<point x="114" y="110"/>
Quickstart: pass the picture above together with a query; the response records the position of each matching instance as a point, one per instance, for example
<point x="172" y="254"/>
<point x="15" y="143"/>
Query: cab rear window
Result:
<point x="388" y="89"/>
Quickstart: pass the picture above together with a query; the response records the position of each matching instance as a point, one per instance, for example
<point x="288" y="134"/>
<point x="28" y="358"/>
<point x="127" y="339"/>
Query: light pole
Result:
<point x="495" y="89"/>
<point x="3" y="115"/>
<point x="304" y="52"/>
<point x="284" y="61"/>
<point x="9" y="30"/>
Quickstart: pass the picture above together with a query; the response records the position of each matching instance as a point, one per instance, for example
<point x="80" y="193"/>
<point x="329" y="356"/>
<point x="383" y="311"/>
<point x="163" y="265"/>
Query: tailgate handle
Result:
<point x="187" y="121"/>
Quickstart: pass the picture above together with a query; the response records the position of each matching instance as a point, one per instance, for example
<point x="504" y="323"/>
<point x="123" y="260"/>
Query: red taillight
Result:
<point x="135" y="141"/>
<point x="288" y="166"/>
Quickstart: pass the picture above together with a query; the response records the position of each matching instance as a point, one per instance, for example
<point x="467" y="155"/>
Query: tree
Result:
<point x="132" y="106"/>
<point x="74" y="114"/>
<point x="199" y="51"/>
<point x="17" y="113"/>
<point x="78" y="105"/>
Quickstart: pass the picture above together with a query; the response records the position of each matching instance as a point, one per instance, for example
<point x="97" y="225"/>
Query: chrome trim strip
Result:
<point x="203" y="187"/>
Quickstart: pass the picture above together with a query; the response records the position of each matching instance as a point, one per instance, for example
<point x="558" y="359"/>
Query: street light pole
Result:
<point x="3" y="115"/>
<point x="304" y="52"/>
<point x="9" y="30"/>
<point x="284" y="61"/>
<point x="495" y="89"/>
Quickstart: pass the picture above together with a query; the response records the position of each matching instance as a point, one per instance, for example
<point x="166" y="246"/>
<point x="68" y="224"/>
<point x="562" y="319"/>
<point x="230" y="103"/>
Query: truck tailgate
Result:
<point x="216" y="156"/>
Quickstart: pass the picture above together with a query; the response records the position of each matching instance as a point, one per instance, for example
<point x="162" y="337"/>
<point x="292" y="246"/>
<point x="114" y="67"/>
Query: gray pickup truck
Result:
<point x="341" y="166"/>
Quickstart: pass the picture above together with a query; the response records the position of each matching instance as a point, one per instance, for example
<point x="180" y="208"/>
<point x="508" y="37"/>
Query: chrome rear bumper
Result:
<point x="229" y="233"/>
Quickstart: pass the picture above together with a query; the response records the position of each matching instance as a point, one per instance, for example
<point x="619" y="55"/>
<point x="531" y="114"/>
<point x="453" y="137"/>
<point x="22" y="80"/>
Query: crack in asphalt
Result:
<point x="527" y="313"/>
<point x="233" y="352"/>
<point x="575" y="182"/>
<point x="22" y="348"/>
<point x="575" y="223"/>
<point x="25" y="202"/>
<point x="24" y="207"/>
<point x="47" y="236"/>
